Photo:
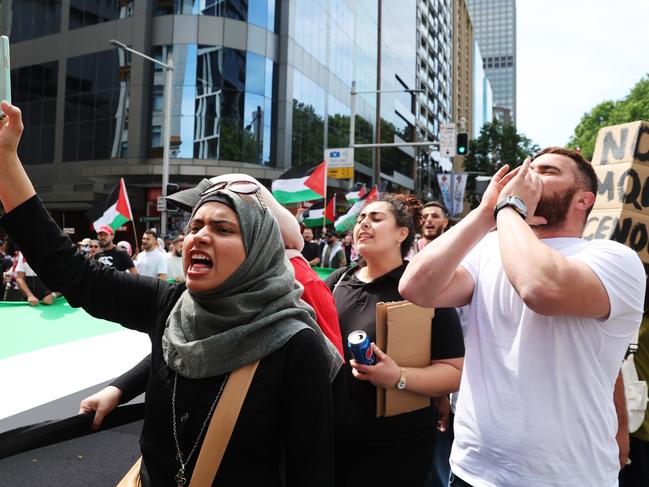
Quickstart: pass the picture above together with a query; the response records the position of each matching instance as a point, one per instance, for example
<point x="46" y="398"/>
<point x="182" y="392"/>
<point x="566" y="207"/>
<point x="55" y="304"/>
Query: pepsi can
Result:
<point x="361" y="347"/>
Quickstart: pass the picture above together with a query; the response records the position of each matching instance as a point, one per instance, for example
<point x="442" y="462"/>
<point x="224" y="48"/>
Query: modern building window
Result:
<point x="34" y="90"/>
<point x="34" y="18"/>
<point x="90" y="12"/>
<point x="96" y="106"/>
<point x="222" y="105"/>
<point x="258" y="12"/>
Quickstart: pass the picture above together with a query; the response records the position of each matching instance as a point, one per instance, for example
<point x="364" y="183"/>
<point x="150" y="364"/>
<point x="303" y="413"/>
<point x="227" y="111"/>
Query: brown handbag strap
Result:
<point x="221" y="425"/>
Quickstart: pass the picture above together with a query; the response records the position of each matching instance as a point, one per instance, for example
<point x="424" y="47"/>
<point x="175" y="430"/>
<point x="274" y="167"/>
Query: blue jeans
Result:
<point x="441" y="469"/>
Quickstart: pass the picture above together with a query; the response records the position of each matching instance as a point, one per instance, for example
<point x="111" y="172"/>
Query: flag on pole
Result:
<point x="119" y="212"/>
<point x="330" y="210"/>
<point x="300" y="184"/>
<point x="353" y="196"/>
<point x="348" y="220"/>
<point x="315" y="216"/>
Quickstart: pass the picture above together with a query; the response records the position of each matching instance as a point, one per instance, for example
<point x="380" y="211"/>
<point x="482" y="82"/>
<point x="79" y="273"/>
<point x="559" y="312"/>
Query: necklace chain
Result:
<point x="180" y="476"/>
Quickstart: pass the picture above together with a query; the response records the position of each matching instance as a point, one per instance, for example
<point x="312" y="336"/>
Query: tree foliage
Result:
<point x="634" y="107"/>
<point x="497" y="144"/>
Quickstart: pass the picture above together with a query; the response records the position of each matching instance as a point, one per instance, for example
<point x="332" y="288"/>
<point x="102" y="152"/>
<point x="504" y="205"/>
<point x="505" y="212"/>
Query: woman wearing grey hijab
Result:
<point x="239" y="304"/>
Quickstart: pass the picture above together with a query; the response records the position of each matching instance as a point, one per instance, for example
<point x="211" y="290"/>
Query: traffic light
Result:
<point x="462" y="144"/>
<point x="171" y="189"/>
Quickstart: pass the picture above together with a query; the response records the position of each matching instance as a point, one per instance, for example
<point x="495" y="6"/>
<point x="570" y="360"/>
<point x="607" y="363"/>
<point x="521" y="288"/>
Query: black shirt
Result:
<point x="115" y="258"/>
<point x="356" y="304"/>
<point x="286" y="419"/>
<point x="310" y="251"/>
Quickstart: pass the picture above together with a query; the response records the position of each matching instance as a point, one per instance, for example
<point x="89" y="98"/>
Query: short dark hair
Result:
<point x="437" y="204"/>
<point x="152" y="233"/>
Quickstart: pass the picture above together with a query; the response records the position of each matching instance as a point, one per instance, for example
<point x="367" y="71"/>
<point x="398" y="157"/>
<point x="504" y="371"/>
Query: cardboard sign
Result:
<point x="624" y="185"/>
<point x="628" y="142"/>
<point x="403" y="331"/>
<point x="627" y="227"/>
<point x="621" y="160"/>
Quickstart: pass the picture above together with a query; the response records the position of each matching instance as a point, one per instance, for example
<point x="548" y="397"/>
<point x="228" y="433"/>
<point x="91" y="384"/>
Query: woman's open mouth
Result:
<point x="200" y="263"/>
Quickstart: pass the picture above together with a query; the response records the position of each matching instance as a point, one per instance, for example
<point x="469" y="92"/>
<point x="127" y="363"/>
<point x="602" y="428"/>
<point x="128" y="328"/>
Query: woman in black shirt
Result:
<point x="239" y="304"/>
<point x="395" y="450"/>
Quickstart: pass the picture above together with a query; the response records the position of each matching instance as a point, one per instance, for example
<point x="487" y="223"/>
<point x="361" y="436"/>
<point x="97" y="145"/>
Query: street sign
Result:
<point x="447" y="139"/>
<point x="340" y="163"/>
<point x="161" y="206"/>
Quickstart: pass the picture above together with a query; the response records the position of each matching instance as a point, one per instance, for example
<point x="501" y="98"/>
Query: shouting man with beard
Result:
<point x="550" y="320"/>
<point x="434" y="220"/>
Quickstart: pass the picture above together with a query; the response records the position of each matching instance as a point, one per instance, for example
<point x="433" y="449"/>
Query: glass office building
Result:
<point x="258" y="86"/>
<point x="494" y="27"/>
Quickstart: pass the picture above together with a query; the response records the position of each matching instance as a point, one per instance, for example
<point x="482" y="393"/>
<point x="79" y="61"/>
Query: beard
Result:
<point x="432" y="234"/>
<point x="554" y="208"/>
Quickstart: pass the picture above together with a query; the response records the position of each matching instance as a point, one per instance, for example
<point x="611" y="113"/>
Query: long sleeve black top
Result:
<point x="285" y="428"/>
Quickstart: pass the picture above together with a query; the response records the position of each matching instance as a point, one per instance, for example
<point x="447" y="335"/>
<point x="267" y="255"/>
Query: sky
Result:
<point x="572" y="55"/>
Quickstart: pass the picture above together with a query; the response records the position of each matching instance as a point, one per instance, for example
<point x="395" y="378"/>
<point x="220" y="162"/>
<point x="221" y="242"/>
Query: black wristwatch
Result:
<point x="513" y="201"/>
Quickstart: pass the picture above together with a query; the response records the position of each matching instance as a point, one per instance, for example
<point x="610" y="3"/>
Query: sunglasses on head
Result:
<point x="239" y="187"/>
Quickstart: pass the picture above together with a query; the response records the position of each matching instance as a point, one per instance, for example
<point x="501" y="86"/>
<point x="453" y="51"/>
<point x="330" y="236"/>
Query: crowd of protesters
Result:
<point x="543" y="316"/>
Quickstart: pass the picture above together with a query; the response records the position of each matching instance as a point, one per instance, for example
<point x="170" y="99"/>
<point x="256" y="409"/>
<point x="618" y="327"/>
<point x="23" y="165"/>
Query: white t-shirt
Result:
<point x="174" y="266"/>
<point x="151" y="263"/>
<point x="23" y="266"/>
<point x="535" y="406"/>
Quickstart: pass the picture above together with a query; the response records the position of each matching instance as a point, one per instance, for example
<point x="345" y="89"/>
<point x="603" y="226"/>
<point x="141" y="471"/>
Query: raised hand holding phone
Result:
<point x="5" y="75"/>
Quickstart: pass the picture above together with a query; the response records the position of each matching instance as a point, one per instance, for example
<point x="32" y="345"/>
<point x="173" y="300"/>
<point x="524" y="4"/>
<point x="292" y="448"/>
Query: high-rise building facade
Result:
<point x="434" y="65"/>
<point x="462" y="67"/>
<point x="258" y="87"/>
<point x="483" y="99"/>
<point x="494" y="27"/>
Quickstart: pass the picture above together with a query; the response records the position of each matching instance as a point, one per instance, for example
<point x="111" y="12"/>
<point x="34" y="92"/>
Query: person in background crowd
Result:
<point x="151" y="262"/>
<point x="348" y="247"/>
<point x="94" y="248"/>
<point x="84" y="246"/>
<point x="550" y="320"/>
<point x="434" y="220"/>
<point x="397" y="450"/>
<point x="10" y="291"/>
<point x="160" y="246"/>
<point x="31" y="286"/>
<point x="126" y="247"/>
<point x="110" y="255"/>
<point x="175" y="259"/>
<point x="333" y="254"/>
<point x="168" y="240"/>
<point x="311" y="250"/>
<point x="239" y="305"/>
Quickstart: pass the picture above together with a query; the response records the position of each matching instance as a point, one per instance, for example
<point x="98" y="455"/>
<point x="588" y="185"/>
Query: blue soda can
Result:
<point x="361" y="347"/>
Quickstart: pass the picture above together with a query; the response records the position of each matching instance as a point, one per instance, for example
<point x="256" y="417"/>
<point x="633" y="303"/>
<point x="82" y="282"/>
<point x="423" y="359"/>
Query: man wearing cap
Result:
<point x="333" y="254"/>
<point x="84" y="246"/>
<point x="175" y="259"/>
<point x="110" y="255"/>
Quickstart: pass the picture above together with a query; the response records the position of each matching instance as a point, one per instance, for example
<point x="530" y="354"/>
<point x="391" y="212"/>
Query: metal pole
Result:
<point x="166" y="130"/>
<point x="352" y="119"/>
<point x="377" y="154"/>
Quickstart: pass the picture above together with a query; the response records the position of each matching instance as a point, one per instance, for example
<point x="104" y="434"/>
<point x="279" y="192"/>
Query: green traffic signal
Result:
<point x="462" y="143"/>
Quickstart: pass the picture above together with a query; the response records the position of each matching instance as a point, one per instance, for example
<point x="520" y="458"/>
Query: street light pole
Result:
<point x="166" y="123"/>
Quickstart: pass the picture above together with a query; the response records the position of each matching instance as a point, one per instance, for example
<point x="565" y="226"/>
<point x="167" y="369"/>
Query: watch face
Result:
<point x="518" y="203"/>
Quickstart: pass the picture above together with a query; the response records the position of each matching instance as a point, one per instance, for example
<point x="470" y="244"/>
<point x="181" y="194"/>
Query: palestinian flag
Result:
<point x="348" y="220"/>
<point x="353" y="196"/>
<point x="316" y="215"/>
<point x="119" y="212"/>
<point x="301" y="184"/>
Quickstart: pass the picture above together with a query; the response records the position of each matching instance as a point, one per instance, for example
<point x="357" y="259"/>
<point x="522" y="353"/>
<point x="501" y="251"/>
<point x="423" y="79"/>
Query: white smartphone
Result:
<point x="5" y="72"/>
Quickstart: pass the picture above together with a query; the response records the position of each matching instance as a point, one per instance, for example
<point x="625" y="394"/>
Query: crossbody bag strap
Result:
<point x="221" y="425"/>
